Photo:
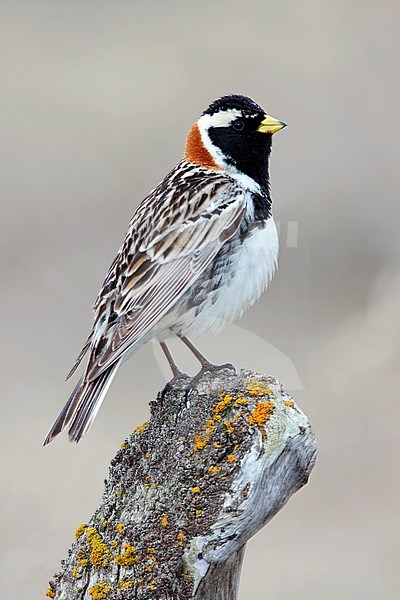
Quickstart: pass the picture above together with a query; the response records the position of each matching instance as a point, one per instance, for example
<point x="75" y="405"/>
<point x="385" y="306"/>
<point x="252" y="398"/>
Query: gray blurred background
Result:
<point x="96" y="100"/>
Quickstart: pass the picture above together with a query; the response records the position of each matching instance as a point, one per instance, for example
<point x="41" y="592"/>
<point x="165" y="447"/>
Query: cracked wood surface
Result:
<point x="188" y="489"/>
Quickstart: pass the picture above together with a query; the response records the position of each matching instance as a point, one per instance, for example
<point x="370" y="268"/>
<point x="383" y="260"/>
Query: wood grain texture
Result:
<point x="188" y="489"/>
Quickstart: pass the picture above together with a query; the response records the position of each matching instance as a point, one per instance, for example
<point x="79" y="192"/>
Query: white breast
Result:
<point x="253" y="268"/>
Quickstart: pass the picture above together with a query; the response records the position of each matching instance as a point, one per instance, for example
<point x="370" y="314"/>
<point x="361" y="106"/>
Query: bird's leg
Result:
<point x="206" y="365"/>
<point x="176" y="372"/>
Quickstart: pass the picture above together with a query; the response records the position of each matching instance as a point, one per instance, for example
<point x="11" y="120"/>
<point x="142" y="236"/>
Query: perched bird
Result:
<point x="200" y="250"/>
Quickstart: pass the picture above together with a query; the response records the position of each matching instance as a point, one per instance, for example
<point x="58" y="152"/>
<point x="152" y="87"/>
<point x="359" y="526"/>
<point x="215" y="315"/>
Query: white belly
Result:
<point x="253" y="267"/>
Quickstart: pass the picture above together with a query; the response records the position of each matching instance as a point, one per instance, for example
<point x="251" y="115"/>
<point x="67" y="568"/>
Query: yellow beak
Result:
<point x="270" y="125"/>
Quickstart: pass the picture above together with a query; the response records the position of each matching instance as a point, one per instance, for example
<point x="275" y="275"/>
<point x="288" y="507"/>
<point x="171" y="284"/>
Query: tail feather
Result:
<point x="82" y="406"/>
<point x="90" y="403"/>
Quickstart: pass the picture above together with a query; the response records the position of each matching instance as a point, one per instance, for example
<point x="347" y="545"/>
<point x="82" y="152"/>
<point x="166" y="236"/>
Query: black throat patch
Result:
<point x="249" y="154"/>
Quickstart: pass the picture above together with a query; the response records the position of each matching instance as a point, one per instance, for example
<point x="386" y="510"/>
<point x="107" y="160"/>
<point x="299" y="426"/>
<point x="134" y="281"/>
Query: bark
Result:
<point x="188" y="489"/>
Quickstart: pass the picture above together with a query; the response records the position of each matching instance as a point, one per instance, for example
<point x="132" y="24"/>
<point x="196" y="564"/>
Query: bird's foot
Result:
<point x="206" y="367"/>
<point x="171" y="385"/>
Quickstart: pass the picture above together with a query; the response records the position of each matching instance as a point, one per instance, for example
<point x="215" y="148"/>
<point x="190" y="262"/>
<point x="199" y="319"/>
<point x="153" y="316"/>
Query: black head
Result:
<point x="234" y="102"/>
<point x="240" y="135"/>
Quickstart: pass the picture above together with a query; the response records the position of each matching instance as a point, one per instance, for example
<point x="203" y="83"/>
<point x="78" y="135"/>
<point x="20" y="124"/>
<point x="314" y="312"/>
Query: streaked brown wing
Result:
<point x="161" y="271"/>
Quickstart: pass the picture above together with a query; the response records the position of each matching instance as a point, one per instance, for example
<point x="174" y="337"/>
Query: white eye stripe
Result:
<point x="219" y="119"/>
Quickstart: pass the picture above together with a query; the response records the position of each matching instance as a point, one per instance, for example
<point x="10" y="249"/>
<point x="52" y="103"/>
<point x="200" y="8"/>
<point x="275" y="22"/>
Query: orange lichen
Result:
<point x="99" y="591"/>
<point x="148" y="454"/>
<point x="164" y="520"/>
<point x="50" y="593"/>
<point x="129" y="556"/>
<point x="214" y="470"/>
<point x="261" y="413"/>
<point x="204" y="437"/>
<point x="100" y="554"/>
<point x="181" y="538"/>
<point x="232" y="458"/>
<point x="289" y="403"/>
<point x="195" y="490"/>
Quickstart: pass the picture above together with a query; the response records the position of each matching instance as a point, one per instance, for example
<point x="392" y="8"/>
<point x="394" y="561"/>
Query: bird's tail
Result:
<point x="82" y="406"/>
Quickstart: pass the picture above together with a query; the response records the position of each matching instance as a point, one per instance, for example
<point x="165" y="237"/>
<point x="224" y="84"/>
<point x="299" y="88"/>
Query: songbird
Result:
<point x="200" y="250"/>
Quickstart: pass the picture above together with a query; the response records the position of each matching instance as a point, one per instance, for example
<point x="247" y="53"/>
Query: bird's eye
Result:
<point x="238" y="125"/>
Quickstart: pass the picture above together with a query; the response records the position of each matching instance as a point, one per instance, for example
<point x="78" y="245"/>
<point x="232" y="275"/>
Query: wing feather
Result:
<point x="162" y="256"/>
<point x="141" y="311"/>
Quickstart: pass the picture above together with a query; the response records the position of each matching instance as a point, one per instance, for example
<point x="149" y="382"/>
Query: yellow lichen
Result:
<point x="83" y="561"/>
<point x="198" y="513"/>
<point x="257" y="389"/>
<point x="114" y="543"/>
<point x="80" y="530"/>
<point x="222" y="406"/>
<point x="153" y="486"/>
<point x="195" y="490"/>
<point x="164" y="520"/>
<point x="128" y="557"/>
<point x="126" y="583"/>
<point x="240" y="401"/>
<point x="140" y="428"/>
<point x="181" y="538"/>
<point x="229" y="426"/>
<point x="261" y="413"/>
<point x="289" y="403"/>
<point x="232" y="458"/>
<point x="120" y="529"/>
<point x="50" y="593"/>
<point x="147" y="455"/>
<point x="99" y="591"/>
<point x="124" y="445"/>
<point x="100" y="554"/>
<point x="214" y="470"/>
<point x="75" y="572"/>
<point x="151" y="550"/>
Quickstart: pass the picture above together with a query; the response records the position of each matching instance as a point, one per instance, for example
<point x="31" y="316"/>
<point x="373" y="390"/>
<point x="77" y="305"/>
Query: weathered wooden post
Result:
<point x="188" y="489"/>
